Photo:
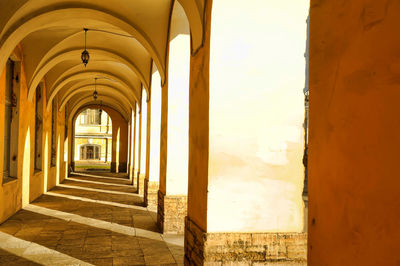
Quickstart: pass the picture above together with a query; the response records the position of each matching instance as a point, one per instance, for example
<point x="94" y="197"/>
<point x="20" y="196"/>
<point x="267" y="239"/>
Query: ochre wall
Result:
<point x="11" y="193"/>
<point x="354" y="184"/>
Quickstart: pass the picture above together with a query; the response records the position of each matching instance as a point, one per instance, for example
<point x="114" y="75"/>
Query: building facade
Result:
<point x="93" y="136"/>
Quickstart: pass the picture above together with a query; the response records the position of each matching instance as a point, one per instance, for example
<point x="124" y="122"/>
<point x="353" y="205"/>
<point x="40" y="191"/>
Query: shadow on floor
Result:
<point x="85" y="221"/>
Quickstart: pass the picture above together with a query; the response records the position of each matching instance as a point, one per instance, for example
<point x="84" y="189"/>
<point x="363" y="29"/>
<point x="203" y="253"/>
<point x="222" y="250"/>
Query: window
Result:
<point x="90" y="117"/>
<point x="38" y="128"/>
<point x="8" y="112"/>
<point x="90" y="152"/>
<point x="53" y="133"/>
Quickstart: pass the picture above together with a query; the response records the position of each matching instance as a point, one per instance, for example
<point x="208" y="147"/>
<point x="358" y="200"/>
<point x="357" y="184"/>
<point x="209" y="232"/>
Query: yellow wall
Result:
<point x="28" y="185"/>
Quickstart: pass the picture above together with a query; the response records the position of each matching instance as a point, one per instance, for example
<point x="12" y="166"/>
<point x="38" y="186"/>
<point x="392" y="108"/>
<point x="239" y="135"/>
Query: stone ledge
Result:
<point x="171" y="213"/>
<point x="203" y="248"/>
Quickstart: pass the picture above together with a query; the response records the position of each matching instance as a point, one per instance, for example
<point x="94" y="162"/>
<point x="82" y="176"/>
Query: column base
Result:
<point x="113" y="167"/>
<point x="134" y="177"/>
<point x="151" y="194"/>
<point x="71" y="168"/>
<point x="140" y="183"/>
<point x="122" y="167"/>
<point x="203" y="248"/>
<point x="171" y="213"/>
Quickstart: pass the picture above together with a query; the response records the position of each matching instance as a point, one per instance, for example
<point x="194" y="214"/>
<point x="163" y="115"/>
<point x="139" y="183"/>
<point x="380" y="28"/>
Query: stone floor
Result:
<point x="89" y="219"/>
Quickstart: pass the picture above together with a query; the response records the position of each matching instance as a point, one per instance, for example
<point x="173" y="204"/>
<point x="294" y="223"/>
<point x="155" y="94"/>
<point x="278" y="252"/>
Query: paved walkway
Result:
<point x="89" y="219"/>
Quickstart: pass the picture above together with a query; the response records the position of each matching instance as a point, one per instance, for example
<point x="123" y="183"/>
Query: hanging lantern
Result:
<point x="85" y="54"/>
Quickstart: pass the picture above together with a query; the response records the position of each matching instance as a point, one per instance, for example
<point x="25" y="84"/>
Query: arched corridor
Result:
<point x="237" y="133"/>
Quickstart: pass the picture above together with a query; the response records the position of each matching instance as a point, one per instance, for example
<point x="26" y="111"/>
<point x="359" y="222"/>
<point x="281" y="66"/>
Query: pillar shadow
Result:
<point x="132" y="217"/>
<point x="84" y="242"/>
<point x="7" y="258"/>
<point x="133" y="199"/>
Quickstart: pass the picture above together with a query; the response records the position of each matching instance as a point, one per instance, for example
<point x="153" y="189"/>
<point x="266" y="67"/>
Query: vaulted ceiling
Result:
<point x="51" y="35"/>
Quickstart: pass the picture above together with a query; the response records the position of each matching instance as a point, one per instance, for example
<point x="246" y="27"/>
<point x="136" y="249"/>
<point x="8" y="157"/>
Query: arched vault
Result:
<point x="70" y="80"/>
<point x="110" y="101"/>
<point x="98" y="55"/>
<point x="50" y="34"/>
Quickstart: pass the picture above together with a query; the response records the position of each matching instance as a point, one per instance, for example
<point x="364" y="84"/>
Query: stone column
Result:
<point x="152" y="182"/>
<point x="172" y="196"/>
<point x="114" y="145"/>
<point x="142" y="144"/>
<point x="123" y="148"/>
<point x="129" y="149"/>
<point x="246" y="139"/>
<point x="136" y="148"/>
<point x="132" y="147"/>
<point x="70" y="159"/>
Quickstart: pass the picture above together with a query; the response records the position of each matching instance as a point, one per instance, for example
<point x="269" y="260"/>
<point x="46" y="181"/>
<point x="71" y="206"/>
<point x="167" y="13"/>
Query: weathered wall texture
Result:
<point x="171" y="213"/>
<point x="250" y="158"/>
<point x="246" y="135"/>
<point x="203" y="248"/>
<point x="10" y="193"/>
<point x="256" y="139"/>
<point x="151" y="189"/>
<point x="354" y="133"/>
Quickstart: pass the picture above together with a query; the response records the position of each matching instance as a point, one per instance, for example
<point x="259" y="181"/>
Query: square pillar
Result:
<point x="172" y="196"/>
<point x="152" y="181"/>
<point x="142" y="144"/>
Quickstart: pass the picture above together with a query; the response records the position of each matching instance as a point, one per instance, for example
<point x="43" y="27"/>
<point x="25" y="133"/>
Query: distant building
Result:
<point x="93" y="136"/>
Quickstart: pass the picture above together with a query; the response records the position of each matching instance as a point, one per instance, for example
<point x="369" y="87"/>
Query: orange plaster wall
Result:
<point x="354" y="184"/>
<point x="199" y="128"/>
<point x="10" y="193"/>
